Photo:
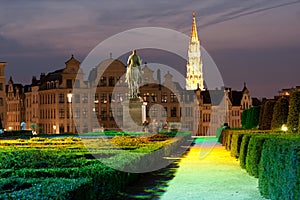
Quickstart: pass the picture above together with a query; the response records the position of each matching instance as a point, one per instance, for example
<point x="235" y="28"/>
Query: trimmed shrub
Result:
<point x="19" y="159"/>
<point x="236" y="141"/>
<point x="279" y="169"/>
<point x="243" y="150"/>
<point x="299" y="124"/>
<point x="267" y="114"/>
<point x="48" y="188"/>
<point x="254" y="153"/>
<point x="280" y="113"/>
<point x="250" y="117"/>
<point x="294" y="111"/>
<point x="228" y="140"/>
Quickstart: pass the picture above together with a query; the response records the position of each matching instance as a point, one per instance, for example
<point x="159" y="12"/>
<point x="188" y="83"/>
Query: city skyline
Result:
<point x="255" y="41"/>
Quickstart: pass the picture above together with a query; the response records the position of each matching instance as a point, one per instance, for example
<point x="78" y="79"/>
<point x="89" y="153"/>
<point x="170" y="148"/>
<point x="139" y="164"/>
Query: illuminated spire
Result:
<point x="194" y="34"/>
<point x="194" y="75"/>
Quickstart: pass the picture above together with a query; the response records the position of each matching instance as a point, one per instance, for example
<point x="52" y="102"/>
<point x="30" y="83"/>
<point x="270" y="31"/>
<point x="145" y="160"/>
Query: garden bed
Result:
<point x="44" y="168"/>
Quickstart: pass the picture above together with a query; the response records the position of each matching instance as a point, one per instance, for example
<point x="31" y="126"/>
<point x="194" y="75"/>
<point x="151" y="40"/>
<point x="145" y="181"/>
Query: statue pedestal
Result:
<point x="134" y="114"/>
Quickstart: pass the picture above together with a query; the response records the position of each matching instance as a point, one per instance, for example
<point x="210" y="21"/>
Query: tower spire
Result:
<point x="194" y="75"/>
<point x="194" y="34"/>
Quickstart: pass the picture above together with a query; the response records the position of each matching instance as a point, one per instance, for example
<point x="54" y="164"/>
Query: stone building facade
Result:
<point x="46" y="108"/>
<point x="59" y="100"/>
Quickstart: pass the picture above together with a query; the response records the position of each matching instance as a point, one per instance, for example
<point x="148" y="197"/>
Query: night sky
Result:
<point x="256" y="41"/>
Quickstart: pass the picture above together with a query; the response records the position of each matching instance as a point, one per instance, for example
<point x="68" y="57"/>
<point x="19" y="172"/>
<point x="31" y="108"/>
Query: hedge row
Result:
<point x="236" y="140"/>
<point x="279" y="170"/>
<point x="104" y="181"/>
<point x="25" y="173"/>
<point x="46" y="188"/>
<point x="254" y="150"/>
<point x="244" y="150"/>
<point x="273" y="158"/>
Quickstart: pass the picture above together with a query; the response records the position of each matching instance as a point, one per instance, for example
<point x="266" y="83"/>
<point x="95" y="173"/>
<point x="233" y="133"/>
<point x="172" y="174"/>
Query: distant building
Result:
<point x="3" y="107"/>
<point x="15" y="107"/>
<point x="287" y="91"/>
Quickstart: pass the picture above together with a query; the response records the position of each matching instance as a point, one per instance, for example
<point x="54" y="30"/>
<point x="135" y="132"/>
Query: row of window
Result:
<point x="111" y="80"/>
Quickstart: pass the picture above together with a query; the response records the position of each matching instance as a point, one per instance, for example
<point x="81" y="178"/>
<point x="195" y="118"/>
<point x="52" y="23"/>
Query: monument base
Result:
<point x="133" y="115"/>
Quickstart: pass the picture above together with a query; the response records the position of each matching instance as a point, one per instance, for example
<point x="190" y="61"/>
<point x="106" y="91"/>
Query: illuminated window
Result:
<point x="84" y="113"/>
<point x="103" y="81"/>
<point x="85" y="98"/>
<point x="154" y="97"/>
<point x="164" y="98"/>
<point x="173" y="97"/>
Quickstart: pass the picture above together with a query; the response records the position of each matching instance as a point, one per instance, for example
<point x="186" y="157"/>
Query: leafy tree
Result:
<point x="267" y="114"/>
<point x="294" y="111"/>
<point x="280" y="113"/>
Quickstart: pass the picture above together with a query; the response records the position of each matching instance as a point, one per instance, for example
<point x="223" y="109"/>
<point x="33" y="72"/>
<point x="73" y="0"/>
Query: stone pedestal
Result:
<point x="134" y="112"/>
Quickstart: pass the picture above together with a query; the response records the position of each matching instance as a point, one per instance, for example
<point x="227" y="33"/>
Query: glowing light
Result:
<point x="70" y="97"/>
<point x="284" y="127"/>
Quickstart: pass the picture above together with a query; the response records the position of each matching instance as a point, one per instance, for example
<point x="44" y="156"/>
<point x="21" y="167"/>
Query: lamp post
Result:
<point x="70" y="112"/>
<point x="284" y="127"/>
<point x="54" y="128"/>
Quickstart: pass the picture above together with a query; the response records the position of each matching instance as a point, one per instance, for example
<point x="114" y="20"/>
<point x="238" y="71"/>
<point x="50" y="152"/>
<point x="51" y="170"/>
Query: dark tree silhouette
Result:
<point x="294" y="111"/>
<point x="280" y="113"/>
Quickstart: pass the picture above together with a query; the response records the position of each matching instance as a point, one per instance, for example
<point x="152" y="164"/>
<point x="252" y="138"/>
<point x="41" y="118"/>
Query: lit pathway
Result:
<point x="216" y="176"/>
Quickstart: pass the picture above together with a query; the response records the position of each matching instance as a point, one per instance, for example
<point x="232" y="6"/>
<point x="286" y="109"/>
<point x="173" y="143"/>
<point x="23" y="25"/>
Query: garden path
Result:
<point x="208" y="172"/>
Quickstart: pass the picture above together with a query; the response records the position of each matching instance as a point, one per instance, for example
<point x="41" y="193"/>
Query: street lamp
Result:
<point x="69" y="95"/>
<point x="284" y="128"/>
<point x="54" y="128"/>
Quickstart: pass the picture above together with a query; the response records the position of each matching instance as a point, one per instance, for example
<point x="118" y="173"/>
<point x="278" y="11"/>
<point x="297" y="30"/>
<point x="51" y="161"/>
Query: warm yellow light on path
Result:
<point x="214" y="176"/>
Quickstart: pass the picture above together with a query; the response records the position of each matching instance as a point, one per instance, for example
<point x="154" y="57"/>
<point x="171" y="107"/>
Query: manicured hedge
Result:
<point x="104" y="181"/>
<point x="250" y="117"/>
<point x="228" y="139"/>
<point x="42" y="165"/>
<point x="273" y="158"/>
<point x="254" y="153"/>
<point x="243" y="150"/>
<point x="236" y="141"/>
<point x="279" y="170"/>
<point x="294" y="111"/>
<point x="46" y="188"/>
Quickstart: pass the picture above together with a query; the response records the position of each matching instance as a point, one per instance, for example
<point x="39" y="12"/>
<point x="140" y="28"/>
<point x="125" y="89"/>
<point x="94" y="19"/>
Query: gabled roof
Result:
<point x="256" y="102"/>
<point x="213" y="97"/>
<point x="72" y="61"/>
<point x="236" y="97"/>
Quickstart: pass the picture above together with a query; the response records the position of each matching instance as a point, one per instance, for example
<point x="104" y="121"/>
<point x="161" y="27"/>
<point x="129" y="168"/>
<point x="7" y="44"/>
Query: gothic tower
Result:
<point x="194" y="75"/>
